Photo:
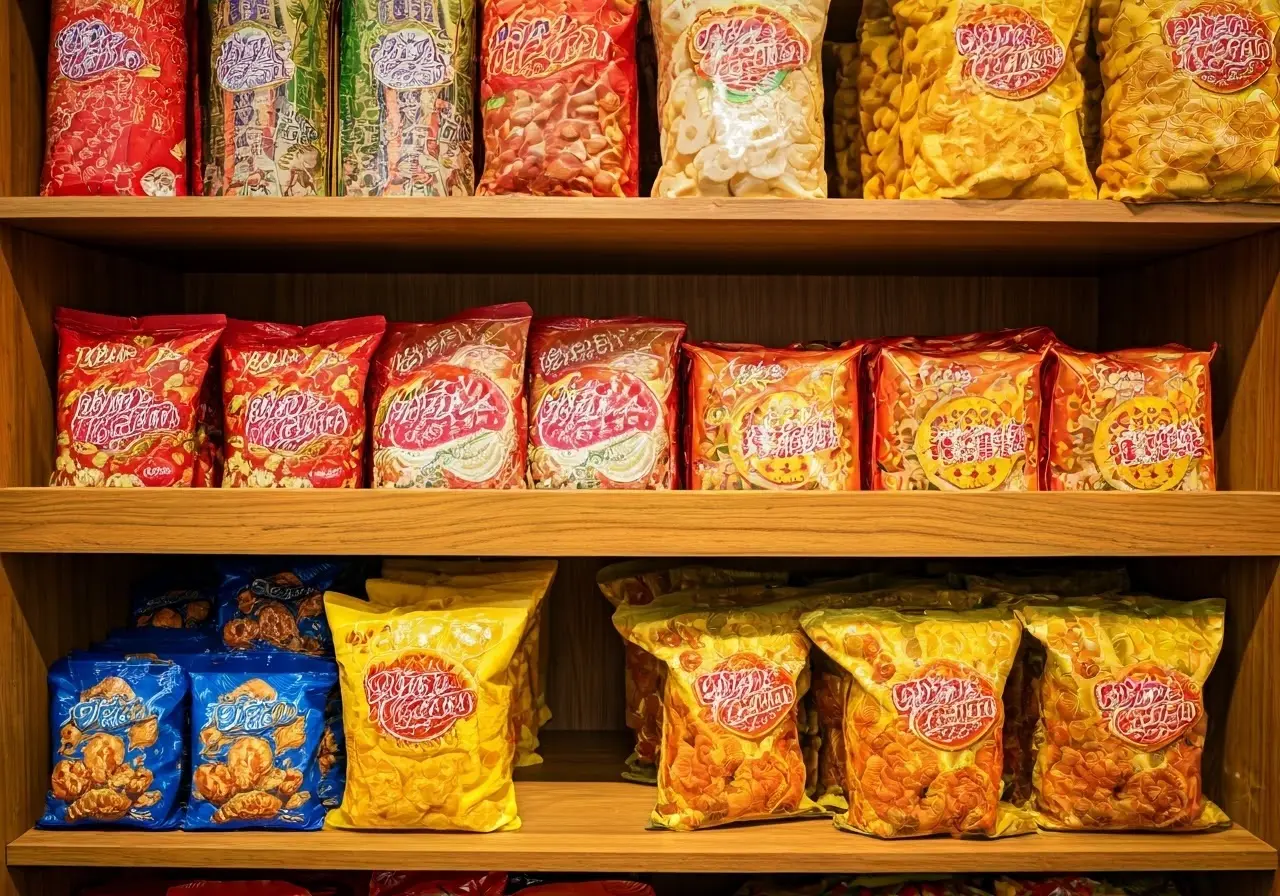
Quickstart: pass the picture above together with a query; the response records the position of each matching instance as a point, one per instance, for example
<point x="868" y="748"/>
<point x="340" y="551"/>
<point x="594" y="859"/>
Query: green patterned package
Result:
<point x="265" y="127"/>
<point x="404" y="97"/>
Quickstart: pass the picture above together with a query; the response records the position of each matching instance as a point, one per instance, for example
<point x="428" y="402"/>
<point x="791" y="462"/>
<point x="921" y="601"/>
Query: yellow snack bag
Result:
<point x="1122" y="721"/>
<point x="922" y="718"/>
<point x="992" y="100"/>
<point x="497" y="588"/>
<point x="730" y="732"/>
<point x="1192" y="102"/>
<point x="844" y="178"/>
<point x="426" y="708"/>
<point x="879" y="101"/>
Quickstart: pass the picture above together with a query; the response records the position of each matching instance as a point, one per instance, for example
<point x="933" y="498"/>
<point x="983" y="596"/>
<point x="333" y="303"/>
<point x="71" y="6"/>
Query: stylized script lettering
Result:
<point x="790" y="439"/>
<point x="949" y="712"/>
<point x="1145" y="711"/>
<point x="975" y="444"/>
<point x="102" y="354"/>
<point x="88" y="48"/>
<point x="443" y="411"/>
<point x="1009" y="51"/>
<point x="535" y="48"/>
<point x="249" y="716"/>
<point x="112" y="419"/>
<point x="107" y="714"/>
<point x="249" y="59"/>
<point x="1136" y="447"/>
<point x="408" y="59"/>
<point x="292" y="421"/>
<point x="744" y="53"/>
<point x="750" y="700"/>
<point x="1224" y="47"/>
<point x="417" y="704"/>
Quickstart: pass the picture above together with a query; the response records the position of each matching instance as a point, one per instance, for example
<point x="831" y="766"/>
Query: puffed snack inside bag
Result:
<point x="740" y="98"/>
<point x="426" y="707"/>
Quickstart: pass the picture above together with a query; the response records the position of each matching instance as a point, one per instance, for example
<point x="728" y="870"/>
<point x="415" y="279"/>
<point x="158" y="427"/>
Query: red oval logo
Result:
<point x="1224" y="47"/>
<point x="451" y="404"/>
<point x="158" y="472"/>
<point x="747" y="48"/>
<point x="747" y="694"/>
<point x="1009" y="51"/>
<point x="947" y="704"/>
<point x="418" y="696"/>
<point x="595" y="405"/>
<point x="1149" y="706"/>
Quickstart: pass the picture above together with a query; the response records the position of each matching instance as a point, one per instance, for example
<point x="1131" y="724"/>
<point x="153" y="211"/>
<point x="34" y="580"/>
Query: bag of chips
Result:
<point x="1122" y="724"/>
<point x="923" y="718"/>
<point x="405" y="98"/>
<point x="1190" y="106"/>
<point x="276" y="606"/>
<point x="730" y="735"/>
<point x="844" y="172"/>
<point x="265" y="115"/>
<point x="127" y="393"/>
<point x="559" y="98"/>
<point x="429" y="883"/>
<point x="294" y="402"/>
<point x="603" y="406"/>
<point x="1134" y="420"/>
<point x="448" y="401"/>
<point x="880" y="101"/>
<point x="1083" y="886"/>
<point x="117" y="726"/>
<point x="740" y="98"/>
<point x="332" y="759"/>
<point x="426" y="707"/>
<point x="117" y="101"/>
<point x="256" y="726"/>
<point x="763" y="418"/>
<point x="958" y="419"/>
<point x="992" y="100"/>
<point x="173" y="608"/>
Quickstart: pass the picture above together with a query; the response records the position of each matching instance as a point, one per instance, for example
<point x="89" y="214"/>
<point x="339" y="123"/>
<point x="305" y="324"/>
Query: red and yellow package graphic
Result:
<point x="448" y="401"/>
<point x="603" y="410"/>
<point x="209" y="457"/>
<point x="116" y="120"/>
<point x="1122" y="724"/>
<point x="763" y="418"/>
<point x="293" y="401"/>
<point x="960" y="419"/>
<point x="560" y="98"/>
<point x="923" y="717"/>
<point x="730" y="732"/>
<point x="128" y="388"/>
<point x="426" y="710"/>
<point x="1137" y="420"/>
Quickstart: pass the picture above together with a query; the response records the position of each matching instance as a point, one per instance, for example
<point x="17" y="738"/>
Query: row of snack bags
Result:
<point x="948" y="885"/>
<point x="965" y="706"/>
<point x="449" y="405"/>
<point x="381" y="883"/>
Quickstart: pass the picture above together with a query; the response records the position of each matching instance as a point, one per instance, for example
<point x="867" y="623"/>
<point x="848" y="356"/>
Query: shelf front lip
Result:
<point x="603" y="524"/>
<point x="804" y="846"/>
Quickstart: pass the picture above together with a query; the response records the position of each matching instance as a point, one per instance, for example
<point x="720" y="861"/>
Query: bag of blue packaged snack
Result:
<point x="333" y="753"/>
<point x="277" y="607"/>
<point x="157" y="603"/>
<point x="257" y="722"/>
<point x="118" y="726"/>
<point x="160" y="643"/>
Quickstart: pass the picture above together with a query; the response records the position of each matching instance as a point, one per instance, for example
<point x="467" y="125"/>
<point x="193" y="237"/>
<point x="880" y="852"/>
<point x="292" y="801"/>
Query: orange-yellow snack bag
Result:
<point x="730" y="731"/>
<point x="1122" y="725"/>
<point x="922" y="722"/>
<point x="480" y="589"/>
<point x="879" y="101"/>
<point x="1137" y="420"/>
<point x="426" y="709"/>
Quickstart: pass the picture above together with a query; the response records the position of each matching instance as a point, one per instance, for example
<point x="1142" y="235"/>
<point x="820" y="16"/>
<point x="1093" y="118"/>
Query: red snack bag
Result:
<point x="208" y="469"/>
<point x="428" y="883"/>
<point x="238" y="888"/>
<point x="591" y="888"/>
<point x="127" y="394"/>
<point x="603" y="410"/>
<point x="559" y="93"/>
<point x="448" y="401"/>
<point x="293" y="400"/>
<point x="117" y="100"/>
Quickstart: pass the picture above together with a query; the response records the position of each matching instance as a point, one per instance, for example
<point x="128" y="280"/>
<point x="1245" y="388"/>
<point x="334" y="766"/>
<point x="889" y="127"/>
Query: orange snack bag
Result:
<point x="1133" y="420"/>
<point x="1122" y="728"/>
<point x="762" y="418"/>
<point x="960" y="419"/>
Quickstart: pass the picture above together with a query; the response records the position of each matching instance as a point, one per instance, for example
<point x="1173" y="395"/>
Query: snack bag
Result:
<point x="117" y="734"/>
<point x="592" y="888"/>
<point x="426" y="706"/>
<point x="448" y="401"/>
<point x="559" y="98"/>
<point x="127" y="392"/>
<point x="740" y="98"/>
<point x="730" y="734"/>
<point x="829" y="690"/>
<point x="866" y="885"/>
<point x="1122" y="725"/>
<point x="603" y="407"/>
<point x="958" y="419"/>
<point x="1137" y="420"/>
<point x="172" y="644"/>
<point x="172" y="608"/>
<point x="1190" y="104"/>
<point x="405" y="98"/>
<point x="845" y="180"/>
<point x="280" y="606"/>
<point x="265" y="112"/>
<point x="428" y="883"/>
<point x="782" y="419"/>
<point x="993" y="100"/>
<point x="923" y="718"/>
<point x="116" y="120"/>
<point x="1083" y="886"/>
<point x="880" y="101"/>
<point x="256" y="726"/>
<point x="332" y="758"/>
<point x="209" y="436"/>
<point x="294" y="400"/>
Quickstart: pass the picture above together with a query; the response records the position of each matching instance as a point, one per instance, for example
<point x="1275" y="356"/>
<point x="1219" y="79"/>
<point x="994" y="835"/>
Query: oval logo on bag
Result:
<point x="1009" y="51"/>
<point x="1149" y="707"/>
<point x="408" y="59"/>
<point x="536" y="48"/>
<point x="947" y="704"/>
<point x="88" y="48"/>
<point x="1224" y="47"/>
<point x="777" y="436"/>
<point x="452" y="404"/>
<point x="251" y="58"/>
<point x="747" y="694"/>
<point x="969" y="443"/>
<point x="418" y="696"/>
<point x="1144" y="444"/>
<point x="748" y="49"/>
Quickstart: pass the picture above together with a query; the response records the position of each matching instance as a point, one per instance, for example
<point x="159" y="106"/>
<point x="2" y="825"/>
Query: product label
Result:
<point x="538" y="47"/>
<point x="948" y="705"/>
<point x="113" y="419"/>
<point x="1150" y="707"/>
<point x="88" y="48"/>
<point x="249" y="715"/>
<point x="292" y="421"/>
<point x="1010" y="52"/>
<point x="1144" y="444"/>
<point x="418" y="696"/>
<point x="107" y="714"/>
<point x="1224" y="47"/>
<point x="451" y="404"/>
<point x="747" y="694"/>
<point x="969" y="443"/>
<point x="408" y="59"/>
<point x="250" y="58"/>
<point x="104" y="354"/>
<point x="748" y="49"/>
<point x="589" y="408"/>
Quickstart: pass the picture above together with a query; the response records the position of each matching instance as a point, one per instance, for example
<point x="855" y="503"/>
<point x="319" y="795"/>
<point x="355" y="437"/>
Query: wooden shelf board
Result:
<point x="603" y="524"/>
<point x="510" y="233"/>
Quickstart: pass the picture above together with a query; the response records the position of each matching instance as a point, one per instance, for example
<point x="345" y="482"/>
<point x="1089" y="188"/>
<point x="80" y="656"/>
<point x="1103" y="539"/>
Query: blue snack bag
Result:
<point x="257" y="721"/>
<point x="276" y="607"/>
<point x="160" y="643"/>
<point x="157" y="604"/>
<point x="118" y="726"/>
<point x="333" y="753"/>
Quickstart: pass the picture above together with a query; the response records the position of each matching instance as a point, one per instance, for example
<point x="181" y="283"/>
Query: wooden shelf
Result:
<point x="524" y="233"/>
<point x="592" y="524"/>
